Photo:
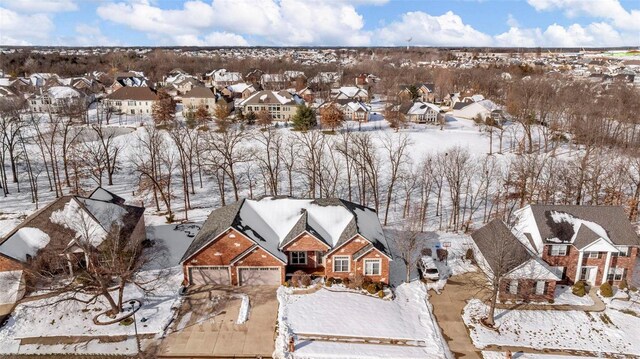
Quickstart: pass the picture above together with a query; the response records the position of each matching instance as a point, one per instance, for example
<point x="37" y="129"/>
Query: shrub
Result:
<point x="442" y="254"/>
<point x="328" y="282"/>
<point x="371" y="288"/>
<point x="606" y="290"/>
<point x="633" y="289"/>
<point x="469" y="255"/>
<point x="551" y="301"/>
<point x="426" y="252"/>
<point x="623" y="284"/>
<point x="358" y="282"/>
<point x="366" y="281"/>
<point x="287" y="283"/>
<point x="381" y="294"/>
<point x="579" y="288"/>
<point x="306" y="280"/>
<point x="298" y="278"/>
<point x="337" y="280"/>
<point x="346" y="282"/>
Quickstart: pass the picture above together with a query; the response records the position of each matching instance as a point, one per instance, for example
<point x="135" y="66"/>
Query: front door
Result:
<point x="588" y="274"/>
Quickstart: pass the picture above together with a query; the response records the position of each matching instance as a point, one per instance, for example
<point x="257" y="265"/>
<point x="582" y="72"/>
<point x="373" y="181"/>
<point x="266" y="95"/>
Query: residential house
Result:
<point x="253" y="77"/>
<point x="330" y="79"/>
<point x="199" y="96"/>
<point x="127" y="79"/>
<point x="596" y="244"/>
<point x="132" y="100"/>
<point x="185" y="84"/>
<point x="262" y="242"/>
<point x="280" y="104"/>
<point x="222" y="78"/>
<point x="421" y="112"/>
<point x="366" y="80"/>
<point x="356" y="111"/>
<point x="242" y="90"/>
<point x="424" y="92"/>
<point x="472" y="107"/>
<point x="58" y="228"/>
<point x="501" y="255"/>
<point x="56" y="99"/>
<point x="347" y="94"/>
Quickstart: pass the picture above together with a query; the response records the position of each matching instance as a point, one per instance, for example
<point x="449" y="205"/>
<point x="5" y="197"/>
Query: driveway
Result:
<point x="447" y="308"/>
<point x="206" y="325"/>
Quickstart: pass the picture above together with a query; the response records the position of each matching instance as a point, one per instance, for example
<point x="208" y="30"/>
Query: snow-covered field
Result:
<point x="563" y="295"/>
<point x="51" y="318"/>
<point x="608" y="332"/>
<point x="408" y="317"/>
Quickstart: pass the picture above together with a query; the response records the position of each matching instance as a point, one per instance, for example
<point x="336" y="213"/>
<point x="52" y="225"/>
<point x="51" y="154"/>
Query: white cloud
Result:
<point x="286" y="22"/>
<point x="424" y="29"/>
<point x="611" y="10"/>
<point x="40" y="6"/>
<point x="592" y="35"/>
<point x="512" y="21"/>
<point x="18" y="29"/>
<point x="89" y="35"/>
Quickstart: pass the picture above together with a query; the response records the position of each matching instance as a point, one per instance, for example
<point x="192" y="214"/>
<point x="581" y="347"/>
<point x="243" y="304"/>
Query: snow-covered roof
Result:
<point x="272" y="97"/>
<point x="273" y="221"/>
<point x="26" y="242"/>
<point x="238" y="88"/>
<point x="60" y="92"/>
<point x="421" y="108"/>
<point x="534" y="268"/>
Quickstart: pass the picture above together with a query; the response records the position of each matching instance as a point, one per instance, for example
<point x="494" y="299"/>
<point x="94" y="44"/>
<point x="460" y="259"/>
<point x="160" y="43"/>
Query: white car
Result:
<point x="428" y="269"/>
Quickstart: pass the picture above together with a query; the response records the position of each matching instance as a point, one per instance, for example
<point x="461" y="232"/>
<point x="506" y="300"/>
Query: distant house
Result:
<point x="365" y="80"/>
<point x="186" y="84"/>
<point x="222" y="78"/>
<point x="56" y="99"/>
<point x="199" y="96"/>
<point x="262" y="242"/>
<point x="349" y="93"/>
<point x="421" y="112"/>
<point x="242" y="90"/>
<point x="127" y="79"/>
<point x="356" y="111"/>
<point x="424" y="92"/>
<point x="472" y="107"/>
<point x="58" y="227"/>
<point x="132" y="100"/>
<point x="330" y="79"/>
<point x="280" y="104"/>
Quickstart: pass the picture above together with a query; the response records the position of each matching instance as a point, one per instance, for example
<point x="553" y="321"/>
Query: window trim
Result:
<point x="590" y="255"/>
<point x="511" y="286"/>
<point x="305" y="256"/>
<point x="333" y="264"/>
<point x="544" y="287"/>
<point x="371" y="260"/>
<point x="611" y="276"/>
<point x="559" y="250"/>
<point x="619" y="254"/>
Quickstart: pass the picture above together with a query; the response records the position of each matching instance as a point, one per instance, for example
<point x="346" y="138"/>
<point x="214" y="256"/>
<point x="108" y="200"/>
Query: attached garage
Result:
<point x="260" y="275"/>
<point x="203" y="275"/>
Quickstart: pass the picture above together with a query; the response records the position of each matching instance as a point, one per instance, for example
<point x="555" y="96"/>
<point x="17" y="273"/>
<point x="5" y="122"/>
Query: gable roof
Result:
<point x="273" y="222"/>
<point x="581" y="225"/>
<point x="272" y="97"/>
<point x="199" y="92"/>
<point x="500" y="248"/>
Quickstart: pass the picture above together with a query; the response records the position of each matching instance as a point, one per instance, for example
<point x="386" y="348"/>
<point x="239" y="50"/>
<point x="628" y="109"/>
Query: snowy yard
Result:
<point x="563" y="295"/>
<point x="324" y="313"/>
<point x="51" y="320"/>
<point x="609" y="332"/>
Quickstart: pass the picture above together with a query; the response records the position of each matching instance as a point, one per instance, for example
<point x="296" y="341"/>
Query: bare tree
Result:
<point x="408" y="243"/>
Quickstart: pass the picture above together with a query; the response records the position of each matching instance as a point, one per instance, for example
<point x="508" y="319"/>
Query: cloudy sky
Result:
<point x="560" y="23"/>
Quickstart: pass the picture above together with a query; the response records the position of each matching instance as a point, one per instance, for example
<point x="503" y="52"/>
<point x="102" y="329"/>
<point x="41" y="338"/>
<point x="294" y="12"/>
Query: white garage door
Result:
<point x="203" y="275"/>
<point x="260" y="276"/>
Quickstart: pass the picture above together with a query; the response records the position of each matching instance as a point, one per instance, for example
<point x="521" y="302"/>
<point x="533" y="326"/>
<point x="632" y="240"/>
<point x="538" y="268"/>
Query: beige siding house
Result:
<point x="280" y="104"/>
<point x="132" y="100"/>
<point x="199" y="96"/>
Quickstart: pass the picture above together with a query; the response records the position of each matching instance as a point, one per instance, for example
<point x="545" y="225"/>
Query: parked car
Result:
<point x="428" y="269"/>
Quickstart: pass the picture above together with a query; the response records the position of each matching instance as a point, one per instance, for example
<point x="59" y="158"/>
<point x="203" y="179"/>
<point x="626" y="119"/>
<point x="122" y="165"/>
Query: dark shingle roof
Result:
<point x="500" y="248"/>
<point x="141" y="93"/>
<point x="612" y="218"/>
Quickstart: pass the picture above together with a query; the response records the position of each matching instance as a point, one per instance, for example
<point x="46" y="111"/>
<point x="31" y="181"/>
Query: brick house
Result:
<point x="262" y="242"/>
<point x="592" y="243"/>
<point x="56" y="228"/>
<point x="503" y="257"/>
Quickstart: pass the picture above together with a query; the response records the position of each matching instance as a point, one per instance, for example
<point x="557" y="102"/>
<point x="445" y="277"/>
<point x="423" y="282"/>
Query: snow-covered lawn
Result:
<point x="50" y="317"/>
<point x="520" y="355"/>
<point x="563" y="295"/>
<point x="600" y="332"/>
<point x="407" y="317"/>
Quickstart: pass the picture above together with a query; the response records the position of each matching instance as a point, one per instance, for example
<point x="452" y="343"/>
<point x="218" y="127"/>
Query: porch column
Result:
<point x="606" y="268"/>
<point x="69" y="264"/>
<point x="578" y="267"/>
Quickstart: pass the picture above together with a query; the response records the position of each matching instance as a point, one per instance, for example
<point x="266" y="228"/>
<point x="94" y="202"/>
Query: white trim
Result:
<point x="579" y="266"/>
<point x="281" y="247"/>
<point x="364" y="265"/>
<point x="298" y="264"/>
<point x="600" y="245"/>
<point x="605" y="271"/>
<point x="245" y="253"/>
<point x="333" y="263"/>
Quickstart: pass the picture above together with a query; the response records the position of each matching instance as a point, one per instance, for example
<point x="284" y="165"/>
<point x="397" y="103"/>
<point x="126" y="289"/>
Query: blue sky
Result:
<point x="560" y="23"/>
